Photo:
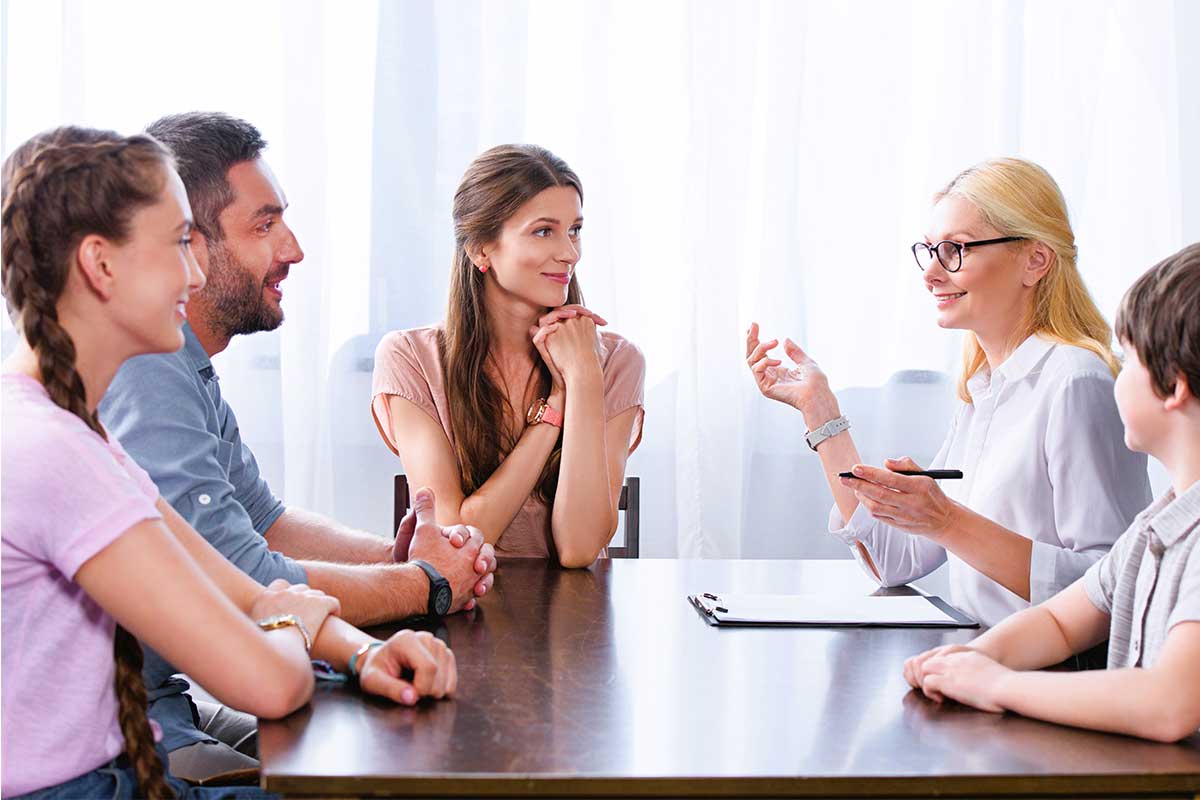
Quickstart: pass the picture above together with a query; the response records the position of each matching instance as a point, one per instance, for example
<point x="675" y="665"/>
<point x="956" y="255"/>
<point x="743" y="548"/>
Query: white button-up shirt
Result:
<point x="1042" y="450"/>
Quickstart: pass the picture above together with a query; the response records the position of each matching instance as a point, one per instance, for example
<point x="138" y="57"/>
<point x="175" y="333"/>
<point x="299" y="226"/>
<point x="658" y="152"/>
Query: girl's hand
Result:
<point x="910" y="502"/>
<point x="914" y="668"/>
<point x="967" y="676"/>
<point x="312" y="606"/>
<point x="434" y="672"/>
<point x="804" y="386"/>
<point x="574" y="347"/>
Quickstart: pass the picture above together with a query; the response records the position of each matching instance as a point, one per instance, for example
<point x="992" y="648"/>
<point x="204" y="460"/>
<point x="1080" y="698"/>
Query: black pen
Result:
<point x="936" y="474"/>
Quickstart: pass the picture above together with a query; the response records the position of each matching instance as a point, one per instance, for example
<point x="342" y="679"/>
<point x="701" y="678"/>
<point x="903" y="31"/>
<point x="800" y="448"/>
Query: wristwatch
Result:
<point x="283" y="621"/>
<point x="440" y="595"/>
<point x="831" y="428"/>
<point x="541" y="411"/>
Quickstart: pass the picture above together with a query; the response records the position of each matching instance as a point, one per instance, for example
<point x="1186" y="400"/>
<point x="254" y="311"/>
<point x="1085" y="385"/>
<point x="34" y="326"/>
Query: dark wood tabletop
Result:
<point x="607" y="681"/>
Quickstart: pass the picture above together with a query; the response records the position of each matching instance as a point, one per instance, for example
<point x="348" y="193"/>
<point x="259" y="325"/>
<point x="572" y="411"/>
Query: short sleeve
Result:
<point x="86" y="497"/>
<point x="624" y="383"/>
<point x="1100" y="579"/>
<point x="399" y="371"/>
<point x="1187" y="602"/>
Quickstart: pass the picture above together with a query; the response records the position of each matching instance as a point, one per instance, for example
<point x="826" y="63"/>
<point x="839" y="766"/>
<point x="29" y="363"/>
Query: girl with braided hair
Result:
<point x="96" y="268"/>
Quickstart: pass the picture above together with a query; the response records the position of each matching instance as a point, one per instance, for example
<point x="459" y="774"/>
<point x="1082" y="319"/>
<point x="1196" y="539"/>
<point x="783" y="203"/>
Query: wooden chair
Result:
<point x="629" y="502"/>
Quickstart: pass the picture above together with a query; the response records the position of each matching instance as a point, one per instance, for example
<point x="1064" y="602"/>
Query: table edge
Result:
<point x="515" y="784"/>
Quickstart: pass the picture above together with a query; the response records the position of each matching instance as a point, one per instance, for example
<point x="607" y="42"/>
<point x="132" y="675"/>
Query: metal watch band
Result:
<point x="831" y="428"/>
<point x="283" y="621"/>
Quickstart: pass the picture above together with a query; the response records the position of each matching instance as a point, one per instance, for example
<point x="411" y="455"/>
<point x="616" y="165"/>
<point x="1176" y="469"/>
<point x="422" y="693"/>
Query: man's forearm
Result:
<point x="302" y="535"/>
<point x="372" y="594"/>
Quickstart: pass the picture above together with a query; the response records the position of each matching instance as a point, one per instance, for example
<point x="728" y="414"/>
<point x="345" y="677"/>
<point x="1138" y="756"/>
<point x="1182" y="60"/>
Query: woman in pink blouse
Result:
<point x="516" y="410"/>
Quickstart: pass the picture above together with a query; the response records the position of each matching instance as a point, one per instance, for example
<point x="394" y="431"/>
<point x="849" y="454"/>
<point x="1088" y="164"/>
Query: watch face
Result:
<point x="441" y="602"/>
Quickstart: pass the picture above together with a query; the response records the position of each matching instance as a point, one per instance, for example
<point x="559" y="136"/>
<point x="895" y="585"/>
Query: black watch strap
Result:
<point x="441" y="597"/>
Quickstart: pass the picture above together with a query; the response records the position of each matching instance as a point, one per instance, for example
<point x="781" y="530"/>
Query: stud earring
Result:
<point x="483" y="267"/>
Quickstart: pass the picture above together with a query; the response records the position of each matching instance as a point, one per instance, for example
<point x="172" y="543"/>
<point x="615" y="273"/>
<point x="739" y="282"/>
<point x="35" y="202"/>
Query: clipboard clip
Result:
<point x="709" y="608"/>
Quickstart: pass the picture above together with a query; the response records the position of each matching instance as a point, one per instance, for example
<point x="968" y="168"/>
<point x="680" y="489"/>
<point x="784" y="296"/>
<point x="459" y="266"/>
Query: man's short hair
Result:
<point x="206" y="144"/>
<point x="1160" y="317"/>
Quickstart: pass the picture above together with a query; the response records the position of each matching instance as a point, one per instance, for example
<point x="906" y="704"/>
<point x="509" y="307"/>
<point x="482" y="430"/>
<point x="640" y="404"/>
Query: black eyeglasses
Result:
<point x="950" y="253"/>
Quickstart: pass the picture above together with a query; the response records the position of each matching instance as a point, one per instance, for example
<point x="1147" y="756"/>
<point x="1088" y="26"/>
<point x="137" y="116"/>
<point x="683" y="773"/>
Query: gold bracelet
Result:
<point x="284" y="620"/>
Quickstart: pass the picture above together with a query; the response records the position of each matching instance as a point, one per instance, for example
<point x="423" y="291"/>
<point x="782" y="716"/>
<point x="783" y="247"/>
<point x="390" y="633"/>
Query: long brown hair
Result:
<point x="495" y="185"/>
<point x="57" y="188"/>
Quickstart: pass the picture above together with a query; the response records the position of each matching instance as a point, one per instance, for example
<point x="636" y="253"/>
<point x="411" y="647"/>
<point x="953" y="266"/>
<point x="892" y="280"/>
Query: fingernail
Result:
<point x="858" y="470"/>
<point x="408" y="696"/>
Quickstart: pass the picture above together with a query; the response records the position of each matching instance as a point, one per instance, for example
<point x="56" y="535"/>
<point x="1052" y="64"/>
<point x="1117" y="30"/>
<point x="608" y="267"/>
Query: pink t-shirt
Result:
<point x="408" y="364"/>
<point x="67" y="494"/>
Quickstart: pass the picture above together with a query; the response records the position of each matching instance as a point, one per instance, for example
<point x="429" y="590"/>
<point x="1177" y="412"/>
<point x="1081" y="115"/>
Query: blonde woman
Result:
<point x="1048" y="482"/>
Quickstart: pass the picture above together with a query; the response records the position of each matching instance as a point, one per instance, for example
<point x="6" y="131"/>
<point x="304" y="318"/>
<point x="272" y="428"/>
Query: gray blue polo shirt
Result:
<point x="168" y="413"/>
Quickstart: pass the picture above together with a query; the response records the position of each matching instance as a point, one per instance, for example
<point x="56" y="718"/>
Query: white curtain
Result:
<point x="766" y="161"/>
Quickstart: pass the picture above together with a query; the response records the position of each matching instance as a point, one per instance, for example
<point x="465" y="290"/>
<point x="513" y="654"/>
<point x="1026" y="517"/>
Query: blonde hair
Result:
<point x="1019" y="198"/>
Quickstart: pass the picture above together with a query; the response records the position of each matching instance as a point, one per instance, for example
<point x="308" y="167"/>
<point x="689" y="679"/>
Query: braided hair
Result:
<point x="57" y="188"/>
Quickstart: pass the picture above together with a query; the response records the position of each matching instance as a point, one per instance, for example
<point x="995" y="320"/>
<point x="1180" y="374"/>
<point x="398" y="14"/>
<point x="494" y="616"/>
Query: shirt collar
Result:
<point x="195" y="353"/>
<point x="1028" y="355"/>
<point x="1177" y="515"/>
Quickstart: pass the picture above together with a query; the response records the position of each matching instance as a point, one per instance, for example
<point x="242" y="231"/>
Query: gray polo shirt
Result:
<point x="1150" y="580"/>
<point x="168" y="413"/>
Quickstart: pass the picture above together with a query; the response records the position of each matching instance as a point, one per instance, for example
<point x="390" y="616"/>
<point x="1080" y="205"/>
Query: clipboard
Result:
<point x="825" y="611"/>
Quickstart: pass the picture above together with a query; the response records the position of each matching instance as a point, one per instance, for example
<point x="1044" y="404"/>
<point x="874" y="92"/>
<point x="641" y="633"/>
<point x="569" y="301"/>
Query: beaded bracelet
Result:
<point x="362" y="651"/>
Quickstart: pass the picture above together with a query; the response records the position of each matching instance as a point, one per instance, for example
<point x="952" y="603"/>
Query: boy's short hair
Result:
<point x="1160" y="317"/>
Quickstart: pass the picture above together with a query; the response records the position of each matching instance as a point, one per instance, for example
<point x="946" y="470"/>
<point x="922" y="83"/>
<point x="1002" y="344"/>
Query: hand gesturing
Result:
<point x="800" y="386"/>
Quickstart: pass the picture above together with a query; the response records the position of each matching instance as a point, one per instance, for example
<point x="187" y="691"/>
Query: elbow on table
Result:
<point x="577" y="558"/>
<point x="1171" y="724"/>
<point x="281" y="695"/>
<point x="576" y="555"/>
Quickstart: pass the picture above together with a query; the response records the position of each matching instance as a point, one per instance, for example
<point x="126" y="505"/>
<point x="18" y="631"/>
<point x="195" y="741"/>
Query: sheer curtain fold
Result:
<point x="766" y="161"/>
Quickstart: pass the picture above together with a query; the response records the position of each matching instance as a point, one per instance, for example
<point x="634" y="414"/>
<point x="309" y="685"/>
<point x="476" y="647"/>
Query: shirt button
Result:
<point x="204" y="499"/>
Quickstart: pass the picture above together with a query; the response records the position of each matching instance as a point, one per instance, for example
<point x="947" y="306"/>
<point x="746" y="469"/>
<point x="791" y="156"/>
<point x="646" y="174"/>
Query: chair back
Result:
<point x="629" y="502"/>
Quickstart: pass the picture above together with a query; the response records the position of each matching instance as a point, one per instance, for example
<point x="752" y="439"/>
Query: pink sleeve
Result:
<point x="399" y="371"/>
<point x="624" y="383"/>
<point x="133" y="469"/>
<point x="83" y="499"/>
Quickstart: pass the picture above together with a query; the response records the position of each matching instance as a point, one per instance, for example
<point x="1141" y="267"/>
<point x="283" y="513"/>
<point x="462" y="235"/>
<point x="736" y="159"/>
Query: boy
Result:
<point x="1144" y="595"/>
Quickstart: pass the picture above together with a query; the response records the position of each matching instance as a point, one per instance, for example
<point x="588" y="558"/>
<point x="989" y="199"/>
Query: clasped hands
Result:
<point x="960" y="673"/>
<point x="566" y="339"/>
<point x="912" y="503"/>
<point x="458" y="552"/>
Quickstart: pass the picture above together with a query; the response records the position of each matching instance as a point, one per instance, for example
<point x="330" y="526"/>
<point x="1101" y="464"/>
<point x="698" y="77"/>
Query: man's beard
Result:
<point x="234" y="296"/>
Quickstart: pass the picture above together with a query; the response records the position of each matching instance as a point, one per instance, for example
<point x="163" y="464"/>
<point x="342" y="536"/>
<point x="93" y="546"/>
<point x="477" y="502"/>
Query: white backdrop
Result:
<point x="766" y="161"/>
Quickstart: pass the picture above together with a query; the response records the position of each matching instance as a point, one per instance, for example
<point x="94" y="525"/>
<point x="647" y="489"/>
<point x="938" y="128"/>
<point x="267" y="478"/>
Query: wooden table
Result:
<point x="607" y="682"/>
